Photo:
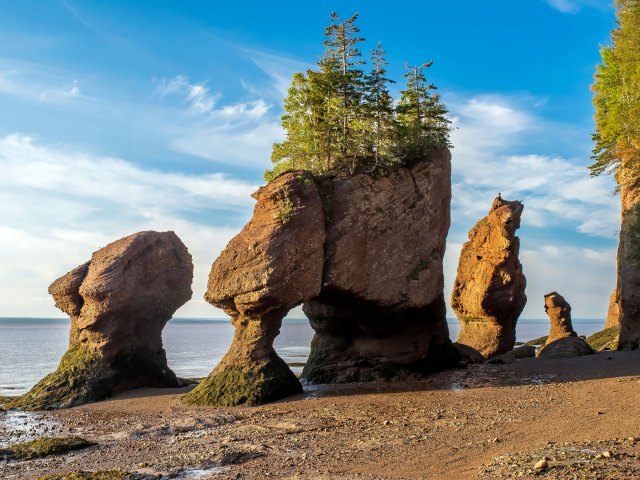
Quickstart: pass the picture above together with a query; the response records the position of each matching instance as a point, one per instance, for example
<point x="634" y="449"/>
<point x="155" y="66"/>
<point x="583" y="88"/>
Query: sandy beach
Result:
<point x="483" y="421"/>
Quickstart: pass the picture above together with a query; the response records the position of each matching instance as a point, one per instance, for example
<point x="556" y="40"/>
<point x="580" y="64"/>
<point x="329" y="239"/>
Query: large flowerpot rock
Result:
<point x="363" y="254"/>
<point x="119" y="303"/>
<point x="489" y="291"/>
<point x="272" y="265"/>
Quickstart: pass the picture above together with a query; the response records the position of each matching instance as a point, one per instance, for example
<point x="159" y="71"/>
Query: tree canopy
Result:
<point x="617" y="97"/>
<point x="339" y="118"/>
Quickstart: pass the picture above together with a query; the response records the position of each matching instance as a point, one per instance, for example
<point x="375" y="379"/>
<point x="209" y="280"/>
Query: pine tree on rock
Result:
<point x="379" y="110"/>
<point x="422" y="118"/>
<point x="340" y="66"/>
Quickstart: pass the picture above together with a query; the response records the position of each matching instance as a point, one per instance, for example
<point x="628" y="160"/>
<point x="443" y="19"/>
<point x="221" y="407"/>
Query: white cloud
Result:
<point x="574" y="6"/>
<point x="38" y="83"/>
<point x="57" y="207"/>
<point x="197" y="95"/>
<point x="561" y="200"/>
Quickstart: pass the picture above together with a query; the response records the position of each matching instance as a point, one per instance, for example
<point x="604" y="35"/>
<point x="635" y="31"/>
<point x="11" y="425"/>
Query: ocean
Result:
<point x="30" y="348"/>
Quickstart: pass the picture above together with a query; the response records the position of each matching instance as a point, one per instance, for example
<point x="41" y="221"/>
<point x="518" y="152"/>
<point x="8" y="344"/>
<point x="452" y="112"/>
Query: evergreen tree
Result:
<point x="341" y="72"/>
<point x="617" y="97"/>
<point x="378" y="105"/>
<point x="422" y="119"/>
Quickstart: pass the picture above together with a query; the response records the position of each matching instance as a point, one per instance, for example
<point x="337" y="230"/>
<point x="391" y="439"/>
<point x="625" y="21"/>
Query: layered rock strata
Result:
<point x="363" y="254"/>
<point x="489" y="291"/>
<point x="629" y="262"/>
<point x="559" y="312"/>
<point x="119" y="303"/>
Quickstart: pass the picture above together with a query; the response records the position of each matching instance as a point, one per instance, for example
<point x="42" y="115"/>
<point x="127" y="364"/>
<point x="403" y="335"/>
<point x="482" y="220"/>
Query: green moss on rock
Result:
<point x="43" y="447"/>
<point x="79" y="378"/>
<point x="537" y="341"/>
<point x="245" y="385"/>
<point x="99" y="475"/>
<point x="606" y="339"/>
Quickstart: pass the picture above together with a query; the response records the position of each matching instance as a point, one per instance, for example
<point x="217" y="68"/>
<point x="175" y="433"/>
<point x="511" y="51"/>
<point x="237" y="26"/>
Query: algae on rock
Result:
<point x="99" y="475"/>
<point x="606" y="339"/>
<point x="43" y="447"/>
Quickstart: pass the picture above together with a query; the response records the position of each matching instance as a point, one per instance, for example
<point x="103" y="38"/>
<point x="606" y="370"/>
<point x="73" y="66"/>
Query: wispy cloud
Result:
<point x="58" y="206"/>
<point x="196" y="95"/>
<point x="38" y="83"/>
<point x="574" y="6"/>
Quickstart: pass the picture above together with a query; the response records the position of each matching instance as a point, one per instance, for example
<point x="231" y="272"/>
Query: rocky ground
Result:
<point x="581" y="416"/>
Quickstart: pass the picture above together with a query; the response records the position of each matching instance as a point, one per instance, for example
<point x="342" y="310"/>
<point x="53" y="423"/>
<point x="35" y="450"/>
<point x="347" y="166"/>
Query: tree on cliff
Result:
<point x="379" y="110"/>
<point x="422" y="118"/>
<point x="339" y="119"/>
<point x="617" y="98"/>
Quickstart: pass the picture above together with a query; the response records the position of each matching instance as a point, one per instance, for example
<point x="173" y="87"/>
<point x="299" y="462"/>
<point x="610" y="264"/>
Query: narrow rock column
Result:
<point x="274" y="264"/>
<point x="559" y="312"/>
<point x="488" y="294"/>
<point x="119" y="303"/>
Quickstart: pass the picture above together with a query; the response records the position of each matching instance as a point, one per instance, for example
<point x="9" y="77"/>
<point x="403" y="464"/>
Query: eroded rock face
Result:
<point x="629" y="262"/>
<point x="559" y="312"/>
<point x="381" y="312"/>
<point x="364" y="256"/>
<point x="272" y="265"/>
<point x="613" y="311"/>
<point x="488" y="294"/>
<point x="119" y="303"/>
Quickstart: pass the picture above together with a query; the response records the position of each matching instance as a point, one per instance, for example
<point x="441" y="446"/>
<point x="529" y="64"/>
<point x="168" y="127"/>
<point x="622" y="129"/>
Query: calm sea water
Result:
<point x="31" y="347"/>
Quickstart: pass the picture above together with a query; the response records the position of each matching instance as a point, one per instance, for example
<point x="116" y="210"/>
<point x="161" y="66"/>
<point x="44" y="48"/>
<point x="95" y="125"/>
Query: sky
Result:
<point x="123" y="116"/>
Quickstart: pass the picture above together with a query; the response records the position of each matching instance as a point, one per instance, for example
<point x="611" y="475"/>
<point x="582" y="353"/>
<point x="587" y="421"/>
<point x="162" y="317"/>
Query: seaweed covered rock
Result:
<point x="119" y="303"/>
<point x="559" y="312"/>
<point x="381" y="312"/>
<point x="272" y="265"/>
<point x="363" y="254"/>
<point x="565" y="347"/>
<point x="489" y="291"/>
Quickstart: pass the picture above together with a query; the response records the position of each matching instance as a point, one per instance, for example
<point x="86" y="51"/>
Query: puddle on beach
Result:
<point x="17" y="426"/>
<point x="200" y="473"/>
<point x="455" y="380"/>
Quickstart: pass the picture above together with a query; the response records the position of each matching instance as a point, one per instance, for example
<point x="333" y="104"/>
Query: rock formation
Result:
<point x="559" y="312"/>
<point x="629" y="262"/>
<point x="613" y="312"/>
<point x="118" y="302"/>
<point x="364" y="256"/>
<point x="272" y="265"/>
<point x="565" y="347"/>
<point x="488" y="294"/>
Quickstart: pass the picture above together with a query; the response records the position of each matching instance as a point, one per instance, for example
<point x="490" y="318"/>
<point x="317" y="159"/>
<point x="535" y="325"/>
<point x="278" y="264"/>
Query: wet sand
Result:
<point x="483" y="421"/>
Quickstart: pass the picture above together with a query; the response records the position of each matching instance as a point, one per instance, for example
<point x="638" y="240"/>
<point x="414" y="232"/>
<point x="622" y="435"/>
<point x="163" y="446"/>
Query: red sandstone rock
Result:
<point x="119" y="303"/>
<point x="488" y="294"/>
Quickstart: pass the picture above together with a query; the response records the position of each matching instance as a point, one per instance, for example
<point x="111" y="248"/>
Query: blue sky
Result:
<point x="123" y="116"/>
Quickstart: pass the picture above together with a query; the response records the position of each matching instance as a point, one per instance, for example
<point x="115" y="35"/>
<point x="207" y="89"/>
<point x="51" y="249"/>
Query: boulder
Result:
<point x="274" y="264"/>
<point x="119" y="303"/>
<point x="613" y="312"/>
<point x="524" y="351"/>
<point x="565" y="347"/>
<point x="559" y="312"/>
<point x="363" y="254"/>
<point x="489" y="291"/>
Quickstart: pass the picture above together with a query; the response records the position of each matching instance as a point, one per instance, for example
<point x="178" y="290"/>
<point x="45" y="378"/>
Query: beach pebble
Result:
<point x="607" y="454"/>
<point x="541" y="464"/>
